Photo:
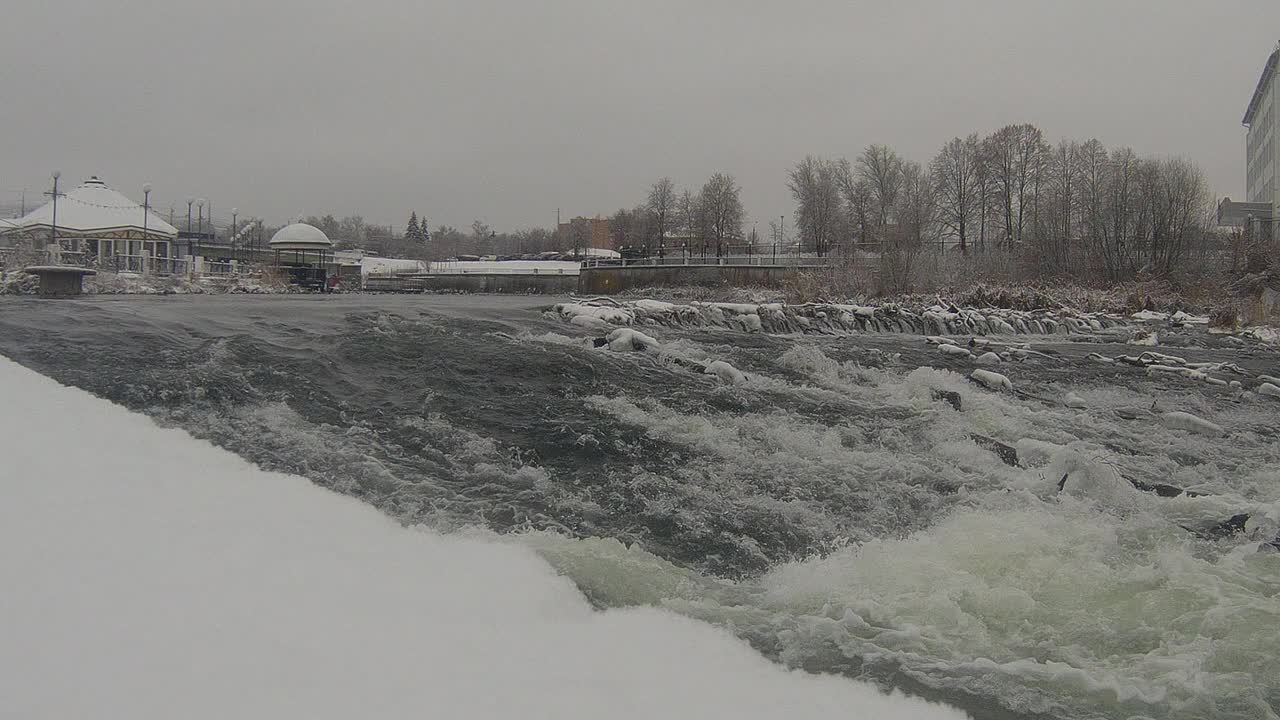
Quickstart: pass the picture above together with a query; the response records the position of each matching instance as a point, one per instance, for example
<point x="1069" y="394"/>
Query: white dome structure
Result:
<point x="300" y="236"/>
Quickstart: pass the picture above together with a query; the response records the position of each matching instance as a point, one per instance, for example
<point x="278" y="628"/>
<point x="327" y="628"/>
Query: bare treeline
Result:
<point x="1071" y="209"/>
<point x="706" y="222"/>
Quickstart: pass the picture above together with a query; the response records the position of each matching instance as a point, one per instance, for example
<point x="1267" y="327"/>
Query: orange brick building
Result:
<point x="584" y="233"/>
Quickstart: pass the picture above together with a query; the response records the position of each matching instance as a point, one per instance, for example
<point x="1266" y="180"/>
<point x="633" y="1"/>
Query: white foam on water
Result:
<point x="1096" y="601"/>
<point x="150" y="575"/>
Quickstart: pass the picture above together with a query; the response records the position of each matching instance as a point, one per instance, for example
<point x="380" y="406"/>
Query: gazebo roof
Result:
<point x="94" y="208"/>
<point x="300" y="236"/>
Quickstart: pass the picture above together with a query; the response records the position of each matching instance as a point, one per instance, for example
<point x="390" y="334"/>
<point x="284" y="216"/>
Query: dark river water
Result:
<point x="831" y="510"/>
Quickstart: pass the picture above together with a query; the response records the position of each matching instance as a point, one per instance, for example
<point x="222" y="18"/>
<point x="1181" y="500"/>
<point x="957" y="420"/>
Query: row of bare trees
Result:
<point x="1070" y="208"/>
<point x="704" y="222"/>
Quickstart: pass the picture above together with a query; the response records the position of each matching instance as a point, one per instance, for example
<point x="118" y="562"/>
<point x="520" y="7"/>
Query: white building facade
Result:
<point x="1263" y="144"/>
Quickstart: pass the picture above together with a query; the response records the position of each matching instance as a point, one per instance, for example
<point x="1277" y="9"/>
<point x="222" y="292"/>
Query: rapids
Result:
<point x="828" y="507"/>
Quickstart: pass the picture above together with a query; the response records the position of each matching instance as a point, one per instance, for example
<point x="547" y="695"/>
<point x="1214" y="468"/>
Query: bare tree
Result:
<point x="955" y="173"/>
<point x="857" y="195"/>
<point x="722" y="209"/>
<point x="690" y="211"/>
<point x="662" y="202"/>
<point x="1017" y="154"/>
<point x="1061" y="197"/>
<point x="1123" y="214"/>
<point x="881" y="169"/>
<point x="915" y="226"/>
<point x="815" y="187"/>
<point x="1180" y="206"/>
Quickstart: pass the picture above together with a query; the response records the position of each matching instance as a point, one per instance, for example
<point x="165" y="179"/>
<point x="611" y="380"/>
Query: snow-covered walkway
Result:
<point x="145" y="574"/>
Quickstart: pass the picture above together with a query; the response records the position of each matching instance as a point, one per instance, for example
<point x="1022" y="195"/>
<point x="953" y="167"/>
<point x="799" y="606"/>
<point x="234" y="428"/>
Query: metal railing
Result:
<point x="517" y="267"/>
<point x="799" y="261"/>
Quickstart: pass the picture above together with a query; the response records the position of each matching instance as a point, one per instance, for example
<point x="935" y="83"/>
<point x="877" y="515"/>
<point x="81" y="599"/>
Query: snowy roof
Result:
<point x="300" y="236"/>
<point x="95" y="208"/>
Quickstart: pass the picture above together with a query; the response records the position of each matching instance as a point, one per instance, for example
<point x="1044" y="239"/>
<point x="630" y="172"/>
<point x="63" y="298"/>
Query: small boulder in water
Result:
<point x="988" y="358"/>
<point x="1073" y="400"/>
<point x="1007" y="454"/>
<point x="949" y="349"/>
<point x="726" y="372"/>
<point x="1269" y="389"/>
<point x="950" y="397"/>
<point x="1142" y="337"/>
<point x="992" y="380"/>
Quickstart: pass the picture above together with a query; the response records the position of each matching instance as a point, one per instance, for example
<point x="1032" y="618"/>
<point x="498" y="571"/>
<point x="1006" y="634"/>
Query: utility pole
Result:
<point x="53" y="228"/>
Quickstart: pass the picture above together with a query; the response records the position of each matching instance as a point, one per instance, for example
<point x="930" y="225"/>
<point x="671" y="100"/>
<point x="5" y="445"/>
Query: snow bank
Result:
<point x="150" y="575"/>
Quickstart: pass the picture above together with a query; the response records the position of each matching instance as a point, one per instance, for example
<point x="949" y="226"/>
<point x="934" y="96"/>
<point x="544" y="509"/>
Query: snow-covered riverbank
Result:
<point x="150" y="575"/>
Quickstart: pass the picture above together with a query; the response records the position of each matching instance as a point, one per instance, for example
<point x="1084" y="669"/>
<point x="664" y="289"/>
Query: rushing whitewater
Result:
<point x="1075" y="540"/>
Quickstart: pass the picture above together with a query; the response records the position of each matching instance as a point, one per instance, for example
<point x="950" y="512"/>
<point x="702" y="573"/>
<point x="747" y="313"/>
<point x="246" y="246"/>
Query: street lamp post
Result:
<point x="53" y="227"/>
<point x="146" y="212"/>
<point x="234" y="213"/>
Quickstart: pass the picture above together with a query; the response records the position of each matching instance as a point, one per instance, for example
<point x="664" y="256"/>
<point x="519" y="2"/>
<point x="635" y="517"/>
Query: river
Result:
<point x="831" y="510"/>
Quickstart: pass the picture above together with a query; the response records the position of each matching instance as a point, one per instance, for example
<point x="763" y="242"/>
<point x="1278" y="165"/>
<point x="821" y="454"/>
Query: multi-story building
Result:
<point x="1262" y="147"/>
<point x="582" y="233"/>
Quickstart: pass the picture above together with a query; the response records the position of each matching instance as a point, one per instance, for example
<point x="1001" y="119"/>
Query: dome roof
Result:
<point x="300" y="236"/>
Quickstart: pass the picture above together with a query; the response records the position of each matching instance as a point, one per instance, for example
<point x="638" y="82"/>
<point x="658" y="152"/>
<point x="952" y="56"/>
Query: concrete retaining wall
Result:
<point x="606" y="280"/>
<point x="511" y="283"/>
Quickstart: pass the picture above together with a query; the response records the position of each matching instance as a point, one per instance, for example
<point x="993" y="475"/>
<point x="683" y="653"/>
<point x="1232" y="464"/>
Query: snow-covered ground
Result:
<point x="370" y="265"/>
<point x="150" y="575"/>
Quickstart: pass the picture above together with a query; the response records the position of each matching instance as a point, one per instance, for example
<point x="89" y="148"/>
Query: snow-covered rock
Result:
<point x="628" y="340"/>
<point x="726" y="372"/>
<point x="590" y="322"/>
<point x="1191" y="423"/>
<point x="988" y="358"/>
<point x="1073" y="400"/>
<point x="992" y="380"/>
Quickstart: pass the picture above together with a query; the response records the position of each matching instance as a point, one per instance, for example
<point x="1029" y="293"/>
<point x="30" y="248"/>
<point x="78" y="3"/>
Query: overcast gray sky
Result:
<point x="506" y="110"/>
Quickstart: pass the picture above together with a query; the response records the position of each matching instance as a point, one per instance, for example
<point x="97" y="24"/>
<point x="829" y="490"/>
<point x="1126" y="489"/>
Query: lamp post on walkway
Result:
<point x="234" y="213"/>
<point x="53" y="227"/>
<point x="146" y="212"/>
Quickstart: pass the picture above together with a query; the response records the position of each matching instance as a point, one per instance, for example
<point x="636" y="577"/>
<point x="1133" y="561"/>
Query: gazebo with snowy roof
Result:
<point x="305" y="252"/>
<point x="100" y="222"/>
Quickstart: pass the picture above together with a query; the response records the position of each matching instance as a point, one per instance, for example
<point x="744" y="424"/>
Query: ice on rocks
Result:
<point x="627" y="340"/>
<point x="992" y="380"/>
<point x="1179" y="420"/>
<point x="726" y="372"/>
